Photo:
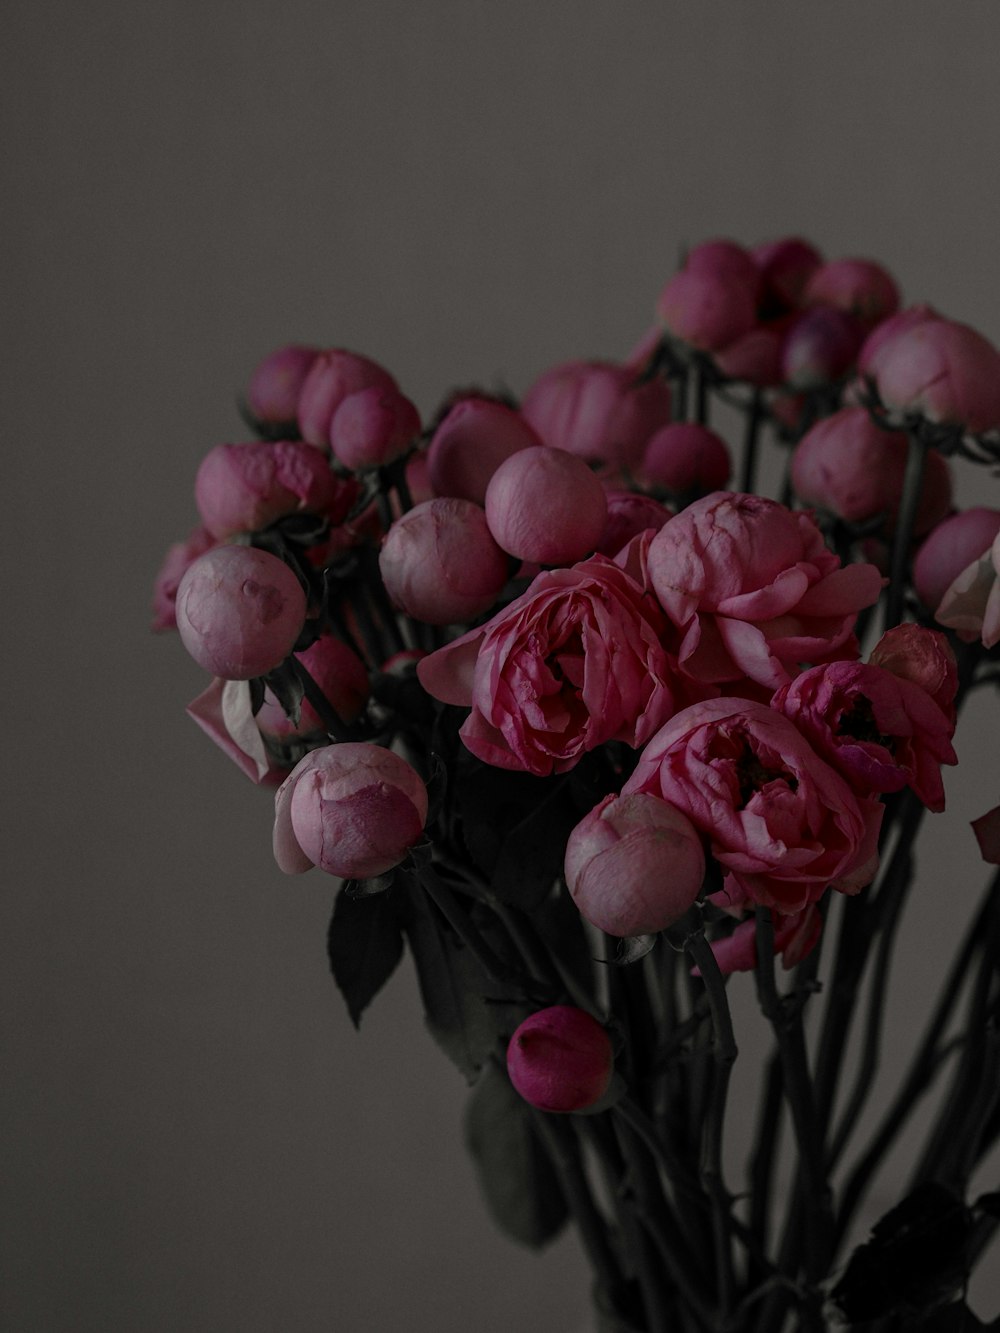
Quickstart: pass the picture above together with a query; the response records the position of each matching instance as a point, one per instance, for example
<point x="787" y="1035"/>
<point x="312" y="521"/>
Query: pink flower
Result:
<point x="779" y="819"/>
<point x="755" y="356"/>
<point x="634" y="865"/>
<point x="786" y="265"/>
<point x="598" y="410"/>
<point x="796" y="934"/>
<point x="629" y="513"/>
<point x="560" y="1059"/>
<point x="573" y="662"/>
<point x="373" y="426"/>
<point x="224" y="711"/>
<point x="239" y="611"/>
<point x="754" y="590"/>
<point x="685" y="457"/>
<point x="890" y="328"/>
<point x="475" y="437"/>
<point x="922" y="656"/>
<point x="546" y="506"/>
<point x="354" y="810"/>
<point x="246" y="487"/>
<point x="954" y="545"/>
<point x="338" y="672"/>
<point x="707" y="309"/>
<point x="971" y="605"/>
<point x="858" y="287"/>
<point x="275" y="385"/>
<point x="173" y="569"/>
<point x="332" y="377"/>
<point x="819" y="348"/>
<point x="440" y="564"/>
<point x="881" y="732"/>
<point x="941" y="370"/>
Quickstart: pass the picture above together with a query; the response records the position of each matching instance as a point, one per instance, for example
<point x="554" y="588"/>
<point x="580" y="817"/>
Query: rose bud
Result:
<point x="785" y="268"/>
<point x="950" y="549"/>
<point x="848" y="466"/>
<point x="706" y="310"/>
<point x="372" y="427"/>
<point x="922" y="656"/>
<point x="755" y="357"/>
<point x="239" y="611"/>
<point x="858" y="287"/>
<point x="686" y="457"/>
<point x="560" y="1059"/>
<point x="354" y="810"/>
<point x="941" y="370"/>
<point x="890" y="328"/>
<point x="175" y="564"/>
<point x="275" y="385"/>
<point x="634" y="865"/>
<point x="547" y="506"/>
<point x="819" y="348"/>
<point x="332" y="377"/>
<point x="338" y="672"/>
<point x="475" y="437"/>
<point x="597" y="410"/>
<point x="629" y="513"/>
<point x="727" y="260"/>
<point x="440" y="564"/>
<point x="246" y="487"/>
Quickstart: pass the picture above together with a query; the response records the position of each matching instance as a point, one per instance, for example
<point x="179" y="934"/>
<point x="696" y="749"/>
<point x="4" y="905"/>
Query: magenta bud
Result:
<point x="354" y="810"/>
<point x="755" y="357"/>
<point x="819" y="348"/>
<point x="332" y="377"/>
<point x="560" y="1059"/>
<point x="475" y="437"/>
<point x="686" y="457"/>
<point x="340" y="675"/>
<point x="707" y="309"/>
<point x="440" y="563"/>
<point x="372" y="427"/>
<point x="951" y="548"/>
<point x="727" y="260"/>
<point x="858" y="287"/>
<point x="275" y="385"/>
<point x="634" y="865"/>
<point x="786" y="265"/>
<point x="246" y="487"/>
<point x="239" y="611"/>
<point x="547" y="506"/>
<point x="629" y="514"/>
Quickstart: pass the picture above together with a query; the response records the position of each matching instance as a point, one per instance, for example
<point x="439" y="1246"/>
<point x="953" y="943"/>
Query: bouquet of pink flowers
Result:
<point x="589" y="732"/>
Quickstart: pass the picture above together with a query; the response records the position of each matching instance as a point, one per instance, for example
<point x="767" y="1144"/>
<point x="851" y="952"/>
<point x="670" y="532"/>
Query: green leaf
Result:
<point x="364" y="944"/>
<point x="522" y="1190"/>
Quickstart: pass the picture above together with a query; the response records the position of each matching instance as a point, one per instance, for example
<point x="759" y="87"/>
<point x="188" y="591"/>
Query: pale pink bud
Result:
<point x="333" y="375"/>
<point x="944" y="371"/>
<point x="340" y="675"/>
<point x="474" y="438"/>
<point x="275" y="385"/>
<point x="372" y="427"/>
<point x="950" y="549"/>
<point x="546" y="505"/>
<point x="597" y="410"/>
<point x="971" y="605"/>
<point x="786" y="265"/>
<point x="239" y="611"/>
<point x="685" y="457"/>
<point x="819" y="348"/>
<point x="246" y="487"/>
<point x="175" y="564"/>
<point x="858" y="287"/>
<point x="629" y="513"/>
<point x="634" y="865"/>
<point x="560" y="1059"/>
<point x="706" y="309"/>
<point x="440" y="564"/>
<point x="353" y="809"/>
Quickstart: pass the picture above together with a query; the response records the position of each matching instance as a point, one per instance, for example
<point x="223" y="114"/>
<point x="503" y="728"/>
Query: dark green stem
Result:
<point x="751" y="438"/>
<point x="913" y="480"/>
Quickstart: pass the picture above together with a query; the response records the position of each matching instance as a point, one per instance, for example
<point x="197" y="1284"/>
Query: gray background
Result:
<point x="195" y="1138"/>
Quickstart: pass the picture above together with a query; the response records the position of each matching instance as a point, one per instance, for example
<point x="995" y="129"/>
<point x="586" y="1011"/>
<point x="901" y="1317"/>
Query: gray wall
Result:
<point x="195" y="1137"/>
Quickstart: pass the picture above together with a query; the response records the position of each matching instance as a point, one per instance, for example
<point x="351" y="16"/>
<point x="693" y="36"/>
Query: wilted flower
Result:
<point x="560" y="1059"/>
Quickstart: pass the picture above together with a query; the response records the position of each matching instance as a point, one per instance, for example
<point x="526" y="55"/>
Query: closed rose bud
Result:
<point x="239" y="611"/>
<point x="372" y="427"/>
<point x="174" y="566"/>
<point x="275" y="385"/>
<point x="706" y="309"/>
<point x="941" y="370"/>
<point x="785" y="267"/>
<point x="475" y="437"/>
<point x="338" y="672"/>
<point x="246" y="487"/>
<point x="819" y="348"/>
<point x="547" y="506"/>
<point x="440" y="564"/>
<point x="858" y="287"/>
<point x="634" y="865"/>
<point x="686" y="457"/>
<point x="951" y="548"/>
<point x="332" y="377"/>
<point x="727" y="260"/>
<point x="889" y="328"/>
<point x="755" y="357"/>
<point x="353" y="810"/>
<point x="629" y="513"/>
<point x="560" y="1059"/>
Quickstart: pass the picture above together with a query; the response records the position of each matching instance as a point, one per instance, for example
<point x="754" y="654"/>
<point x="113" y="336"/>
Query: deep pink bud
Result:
<point x="629" y="513"/>
<point x="246" y="487"/>
<point x="755" y="357"/>
<point x="727" y="260"/>
<point x="332" y="377"/>
<point x="339" y="673"/>
<point x="174" y="566"/>
<point x="858" y="287"/>
<point x="922" y="656"/>
<point x="560" y="1059"/>
<point x="944" y="371"/>
<point x="440" y="564"/>
<point x="890" y="328"/>
<point x="547" y="506"/>
<point x="372" y="427"/>
<point x="685" y="457"/>
<point x="239" y="611"/>
<point x="354" y="810"/>
<point x="275" y="385"/>
<point x="634" y="865"/>
<point x="951" y="548"/>
<point x="707" y="310"/>
<point x="786" y="265"/>
<point x="819" y="348"/>
<point x="475" y="437"/>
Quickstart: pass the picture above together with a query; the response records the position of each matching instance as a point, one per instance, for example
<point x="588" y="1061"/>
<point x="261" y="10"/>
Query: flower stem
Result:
<point x="913" y="480"/>
<point x="751" y="438"/>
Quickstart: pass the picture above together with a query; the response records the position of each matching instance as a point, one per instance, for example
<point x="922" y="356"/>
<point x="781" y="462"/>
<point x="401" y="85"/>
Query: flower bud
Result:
<point x="546" y="505"/>
<point x="819" y="348"/>
<point x="275" y="385"/>
<point x="332" y="377"/>
<point x="354" y="810"/>
<point x="890" y="328"/>
<point x="629" y="513"/>
<point x="372" y="427"/>
<point x="239" y="611"/>
<point x="786" y="265"/>
<point x="171" y="571"/>
<point x="440" y="563"/>
<point x="944" y="371"/>
<point x="560" y="1059"/>
<point x="923" y="656"/>
<point x="727" y="260"/>
<point x="858" y="287"/>
<point x="706" y="309"/>
<point x="246" y="487"/>
<point x="634" y="865"/>
<point x="686" y="457"/>
<point x="475" y="437"/>
<point x="338" y="672"/>
<point x="755" y="357"/>
<point x="950" y="549"/>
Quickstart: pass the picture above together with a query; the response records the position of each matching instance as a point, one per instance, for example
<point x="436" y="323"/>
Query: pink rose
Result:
<point x="754" y="590"/>
<point x="246" y="487"/>
<point x="819" y="348"/>
<point x="858" y="287"/>
<point x="573" y="662"/>
<point x="560" y="1059"/>
<point x="786" y="265"/>
<point x="881" y="732"/>
<point x="354" y="810"/>
<point x="629" y="514"/>
<point x="779" y="819"/>
<point x="922" y="656"/>
<point x="707" y="309"/>
<point x="173" y="569"/>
